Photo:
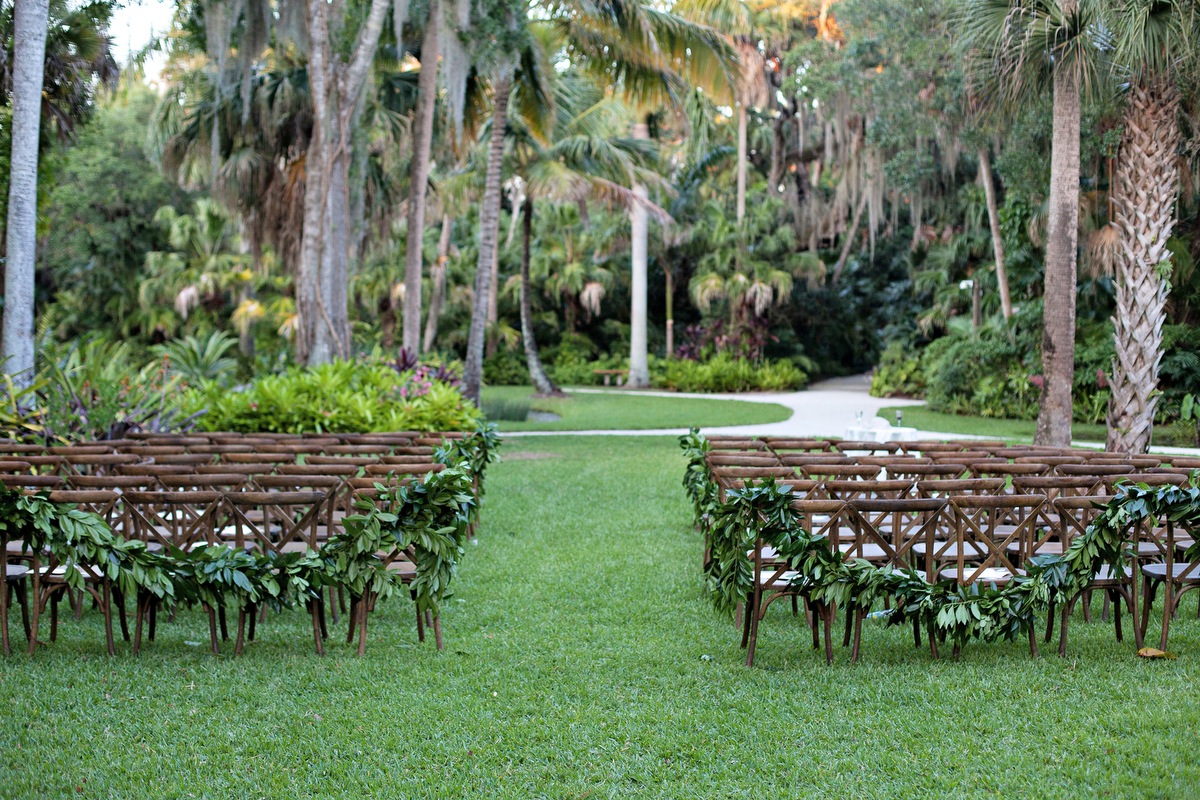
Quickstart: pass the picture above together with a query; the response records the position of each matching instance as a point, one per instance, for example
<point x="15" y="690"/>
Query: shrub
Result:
<point x="341" y="397"/>
<point x="506" y="368"/>
<point x="899" y="373"/>
<point x="725" y="373"/>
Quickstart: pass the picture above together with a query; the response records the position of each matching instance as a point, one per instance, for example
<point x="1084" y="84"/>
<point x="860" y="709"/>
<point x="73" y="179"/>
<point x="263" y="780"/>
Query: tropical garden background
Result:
<point x="360" y="213"/>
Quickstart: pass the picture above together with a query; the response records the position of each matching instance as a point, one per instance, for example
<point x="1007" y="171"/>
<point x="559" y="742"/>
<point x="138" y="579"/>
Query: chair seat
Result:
<point x="866" y="551"/>
<point x="297" y="547"/>
<point x="783" y="581"/>
<point x="15" y="572"/>
<point x="997" y="575"/>
<point x="1158" y="572"/>
<point x="948" y="551"/>
<point x="1105" y="575"/>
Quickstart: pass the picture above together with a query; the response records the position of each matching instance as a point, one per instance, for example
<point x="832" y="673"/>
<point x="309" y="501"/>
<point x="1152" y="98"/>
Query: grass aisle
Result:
<point x="583" y="660"/>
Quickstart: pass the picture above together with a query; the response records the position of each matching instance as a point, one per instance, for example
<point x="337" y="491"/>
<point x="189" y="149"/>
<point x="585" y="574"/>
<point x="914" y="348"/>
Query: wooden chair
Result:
<point x="49" y="572"/>
<point x="1177" y="576"/>
<point x="1076" y="513"/>
<point x="773" y="578"/>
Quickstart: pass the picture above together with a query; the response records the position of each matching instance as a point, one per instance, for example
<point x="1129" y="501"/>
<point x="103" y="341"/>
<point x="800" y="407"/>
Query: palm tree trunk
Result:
<point x="639" y="357"/>
<point x="438" y="293"/>
<point x="1147" y="183"/>
<point x="489" y="230"/>
<point x="989" y="192"/>
<point x="541" y="381"/>
<point x="1058" y="327"/>
<point x="493" y="311"/>
<point x="31" y="18"/>
<point x="422" y="142"/>
<point x="741" y="162"/>
<point x="670" y="288"/>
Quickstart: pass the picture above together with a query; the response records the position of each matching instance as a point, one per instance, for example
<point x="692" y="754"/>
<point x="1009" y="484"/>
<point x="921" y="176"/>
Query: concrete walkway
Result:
<point x="825" y="408"/>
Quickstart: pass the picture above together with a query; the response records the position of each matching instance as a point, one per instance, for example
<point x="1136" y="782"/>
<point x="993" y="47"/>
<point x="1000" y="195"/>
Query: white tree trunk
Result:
<point x="639" y="359"/>
<point x="422" y="142"/>
<point x="741" y="162"/>
<point x="989" y="191"/>
<point x="29" y="56"/>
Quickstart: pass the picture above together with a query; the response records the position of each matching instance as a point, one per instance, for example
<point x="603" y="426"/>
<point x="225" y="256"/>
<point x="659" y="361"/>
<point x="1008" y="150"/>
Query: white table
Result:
<point x="879" y="433"/>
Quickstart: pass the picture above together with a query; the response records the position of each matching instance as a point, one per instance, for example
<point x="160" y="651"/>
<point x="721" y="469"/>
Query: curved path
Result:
<point x="825" y="408"/>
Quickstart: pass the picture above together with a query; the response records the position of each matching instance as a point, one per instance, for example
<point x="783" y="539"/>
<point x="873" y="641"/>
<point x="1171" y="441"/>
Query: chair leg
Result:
<point x="1149" y="589"/>
<point x="241" y="630"/>
<point x="753" y="615"/>
<point x="54" y="616"/>
<point x="224" y="627"/>
<point x="437" y="632"/>
<point x="253" y="625"/>
<point x="139" y="613"/>
<point x="321" y="618"/>
<point x="916" y="625"/>
<point x="859" y="614"/>
<point x="315" y="608"/>
<point x="212" y="629"/>
<point x="1033" y="648"/>
<point x="1116" y="606"/>
<point x="1050" y="622"/>
<point x="333" y="609"/>
<point x="5" y="591"/>
<point x="153" y="617"/>
<point x="362" y="626"/>
<point x="1105" y="609"/>
<point x="1087" y="606"/>
<point x="1062" y="629"/>
<point x="108" y="628"/>
<point x="1168" y="611"/>
<point x="119" y="598"/>
<point x="849" y="625"/>
<point x="37" y="593"/>
<point x="420" y="626"/>
<point x="830" y="611"/>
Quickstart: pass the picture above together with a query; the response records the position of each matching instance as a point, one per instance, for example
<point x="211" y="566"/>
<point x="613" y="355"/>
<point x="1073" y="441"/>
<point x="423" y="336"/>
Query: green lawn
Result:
<point x="1017" y="429"/>
<point x="598" y="411"/>
<point x="583" y="660"/>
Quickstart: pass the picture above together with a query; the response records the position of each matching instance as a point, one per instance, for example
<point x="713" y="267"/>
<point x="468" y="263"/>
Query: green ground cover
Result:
<point x="602" y="411"/>
<point x="583" y="660"/>
<point x="1017" y="429"/>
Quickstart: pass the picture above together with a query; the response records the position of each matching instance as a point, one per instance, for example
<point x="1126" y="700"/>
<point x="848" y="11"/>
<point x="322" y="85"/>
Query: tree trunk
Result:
<point x="422" y="142"/>
<point x="541" y="381"/>
<point x="850" y="234"/>
<point x="741" y="162"/>
<point x="489" y="230"/>
<point x="639" y="358"/>
<point x="31" y="18"/>
<point x="1147" y="183"/>
<point x="335" y="87"/>
<point x="670" y="287"/>
<point x="493" y="310"/>
<point x="438" y="293"/>
<point x="1058" y="331"/>
<point x="989" y="191"/>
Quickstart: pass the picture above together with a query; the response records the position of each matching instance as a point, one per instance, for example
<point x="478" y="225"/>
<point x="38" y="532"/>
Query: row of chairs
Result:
<point x="967" y="511"/>
<point x="976" y="539"/>
<point x="270" y="500"/>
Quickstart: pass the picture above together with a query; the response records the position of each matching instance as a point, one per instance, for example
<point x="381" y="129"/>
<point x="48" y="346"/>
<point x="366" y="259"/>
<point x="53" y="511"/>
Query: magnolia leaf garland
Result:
<point x="958" y="613"/>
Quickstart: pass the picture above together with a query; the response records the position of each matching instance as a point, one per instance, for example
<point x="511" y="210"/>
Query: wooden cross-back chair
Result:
<point x="773" y="578"/>
<point x="49" y="570"/>
<point x="400" y="560"/>
<point x="1172" y="572"/>
<point x="1075" y="514"/>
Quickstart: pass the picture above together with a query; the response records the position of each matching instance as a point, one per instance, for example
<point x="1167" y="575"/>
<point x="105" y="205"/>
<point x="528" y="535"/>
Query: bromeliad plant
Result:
<point x="959" y="614"/>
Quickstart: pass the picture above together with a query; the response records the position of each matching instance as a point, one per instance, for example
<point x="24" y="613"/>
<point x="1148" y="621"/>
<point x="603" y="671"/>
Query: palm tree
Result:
<point x="1156" y="46"/>
<point x="1021" y="48"/>
<point x="653" y="57"/>
<point x="584" y="158"/>
<point x="419" y="176"/>
<point x="29" y="53"/>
